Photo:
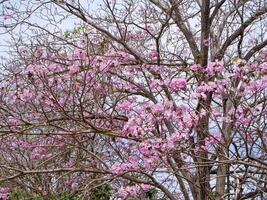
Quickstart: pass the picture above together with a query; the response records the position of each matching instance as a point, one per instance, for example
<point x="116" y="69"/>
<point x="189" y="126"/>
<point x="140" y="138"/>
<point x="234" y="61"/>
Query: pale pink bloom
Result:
<point x="38" y="153"/>
<point x="253" y="66"/>
<point x="73" y="69"/>
<point x="119" y="168"/>
<point x="263" y="68"/>
<point x="243" y="121"/>
<point x="157" y="108"/>
<point x="104" y="67"/>
<point x="4" y="193"/>
<point x="144" y="148"/>
<point x="27" y="95"/>
<point x="150" y="163"/>
<point x="131" y="128"/>
<point x="170" y="144"/>
<point x="263" y="55"/>
<point x="153" y="54"/>
<point x="196" y="67"/>
<point x="77" y="86"/>
<point x="125" y="105"/>
<point x="204" y="87"/>
<point x="178" y="84"/>
<point x="212" y="139"/>
<point x="5" y="17"/>
<point x="216" y="113"/>
<point x="25" y="145"/>
<point x="61" y="102"/>
<point x="54" y="67"/>
<point x="122" y="192"/>
<point x="37" y="69"/>
<point x="145" y="187"/>
<point x="129" y="191"/>
<point x="215" y="67"/>
<point x="79" y="54"/>
<point x="13" y="121"/>
<point x="154" y="84"/>
<point x="200" y="95"/>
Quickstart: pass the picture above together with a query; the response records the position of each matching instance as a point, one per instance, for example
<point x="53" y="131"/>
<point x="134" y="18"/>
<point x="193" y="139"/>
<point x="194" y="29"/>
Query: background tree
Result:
<point x="141" y="99"/>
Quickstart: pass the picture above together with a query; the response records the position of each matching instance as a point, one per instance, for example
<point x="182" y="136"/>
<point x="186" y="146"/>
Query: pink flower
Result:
<point x="79" y="54"/>
<point x="263" y="55"/>
<point x="216" y="113"/>
<point x="263" y="68"/>
<point x="243" y="121"/>
<point x="196" y="67"/>
<point x="27" y="95"/>
<point x="133" y="191"/>
<point x="206" y="87"/>
<point x="37" y="69"/>
<point x="215" y="67"/>
<point x="54" y="67"/>
<point x="144" y="148"/>
<point x="104" y="67"/>
<point x="212" y="139"/>
<point x="129" y="191"/>
<point x="125" y="105"/>
<point x="117" y="169"/>
<point x="178" y="84"/>
<point x="38" y="153"/>
<point x="73" y="69"/>
<point x="153" y="54"/>
<point x="4" y="193"/>
<point x="150" y="163"/>
<point x="5" y="17"/>
<point x="145" y="187"/>
<point x="133" y="163"/>
<point x="154" y="84"/>
<point x="157" y="108"/>
<point x="122" y="192"/>
<point x="175" y="137"/>
<point x="61" y="102"/>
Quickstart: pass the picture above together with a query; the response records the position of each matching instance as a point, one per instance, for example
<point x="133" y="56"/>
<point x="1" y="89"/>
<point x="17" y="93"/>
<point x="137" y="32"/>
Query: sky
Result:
<point x="6" y="18"/>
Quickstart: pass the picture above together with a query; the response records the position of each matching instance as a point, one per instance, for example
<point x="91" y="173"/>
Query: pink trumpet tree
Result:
<point x="174" y="119"/>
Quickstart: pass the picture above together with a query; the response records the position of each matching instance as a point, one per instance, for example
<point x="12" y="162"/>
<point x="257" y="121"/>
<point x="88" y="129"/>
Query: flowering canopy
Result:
<point x="98" y="115"/>
<point x="136" y="118"/>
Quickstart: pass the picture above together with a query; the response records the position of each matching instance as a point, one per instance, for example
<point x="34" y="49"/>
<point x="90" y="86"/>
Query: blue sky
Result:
<point x="66" y="24"/>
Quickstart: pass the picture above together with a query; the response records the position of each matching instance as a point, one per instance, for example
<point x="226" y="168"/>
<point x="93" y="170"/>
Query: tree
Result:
<point x="148" y="99"/>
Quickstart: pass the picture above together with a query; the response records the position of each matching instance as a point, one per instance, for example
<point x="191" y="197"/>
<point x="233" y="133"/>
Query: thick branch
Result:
<point x="255" y="49"/>
<point x="239" y="31"/>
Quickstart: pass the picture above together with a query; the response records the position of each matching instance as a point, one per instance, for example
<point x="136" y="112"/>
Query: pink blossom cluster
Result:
<point x="4" y="193"/>
<point x="215" y="67"/>
<point x="133" y="191"/>
<point x="137" y="115"/>
<point x="212" y="139"/>
<point x="131" y="165"/>
<point x="178" y="84"/>
<point x="257" y="85"/>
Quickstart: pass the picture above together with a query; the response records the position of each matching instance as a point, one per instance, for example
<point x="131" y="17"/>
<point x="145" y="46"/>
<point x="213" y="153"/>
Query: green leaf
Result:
<point x="66" y="34"/>
<point x="151" y="193"/>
